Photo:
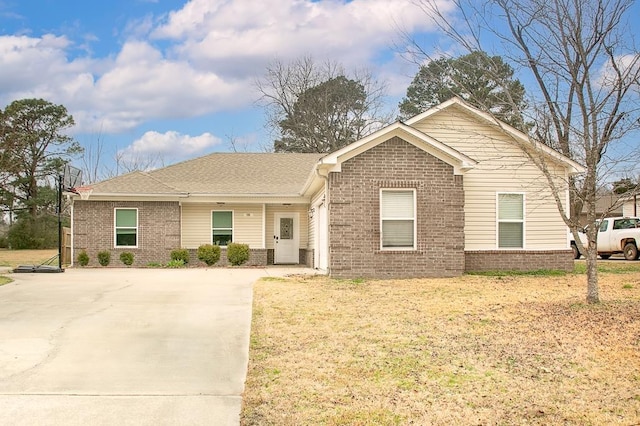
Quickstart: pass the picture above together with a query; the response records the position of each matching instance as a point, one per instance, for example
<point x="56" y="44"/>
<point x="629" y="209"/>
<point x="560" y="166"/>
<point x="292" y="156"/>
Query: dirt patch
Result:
<point x="470" y="350"/>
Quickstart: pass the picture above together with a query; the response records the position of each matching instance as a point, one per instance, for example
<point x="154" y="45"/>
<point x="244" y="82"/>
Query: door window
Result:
<point x="286" y="228"/>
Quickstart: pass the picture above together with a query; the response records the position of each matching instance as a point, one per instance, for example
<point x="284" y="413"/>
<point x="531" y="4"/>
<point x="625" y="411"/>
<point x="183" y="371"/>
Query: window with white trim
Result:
<point x="221" y="228"/>
<point x="126" y="227"/>
<point x="398" y="219"/>
<point x="510" y="220"/>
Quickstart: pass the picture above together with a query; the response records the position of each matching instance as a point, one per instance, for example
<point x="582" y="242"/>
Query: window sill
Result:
<point x="399" y="251"/>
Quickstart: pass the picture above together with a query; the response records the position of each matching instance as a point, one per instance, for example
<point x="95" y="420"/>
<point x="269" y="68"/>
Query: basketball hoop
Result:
<point x="83" y="191"/>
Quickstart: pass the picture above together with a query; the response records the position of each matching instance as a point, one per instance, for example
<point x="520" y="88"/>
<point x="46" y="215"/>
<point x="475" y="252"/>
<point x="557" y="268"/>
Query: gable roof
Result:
<point x="236" y="174"/>
<point x="519" y="136"/>
<point x="458" y="160"/>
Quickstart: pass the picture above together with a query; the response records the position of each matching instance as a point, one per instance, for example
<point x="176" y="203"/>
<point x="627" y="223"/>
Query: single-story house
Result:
<point x="445" y="192"/>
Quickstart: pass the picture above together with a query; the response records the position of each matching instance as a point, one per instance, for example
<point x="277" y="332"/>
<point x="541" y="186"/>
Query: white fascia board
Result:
<point x="103" y="196"/>
<point x="460" y="162"/>
<point x="247" y="199"/>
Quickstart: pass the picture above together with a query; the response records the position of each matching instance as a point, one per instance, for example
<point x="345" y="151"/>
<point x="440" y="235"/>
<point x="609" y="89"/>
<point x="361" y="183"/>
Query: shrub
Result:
<point x="180" y="254"/>
<point x="237" y="253"/>
<point x="83" y="258"/>
<point x="33" y="233"/>
<point x="104" y="257"/>
<point x="175" y="263"/>
<point x="209" y="254"/>
<point x="126" y="257"/>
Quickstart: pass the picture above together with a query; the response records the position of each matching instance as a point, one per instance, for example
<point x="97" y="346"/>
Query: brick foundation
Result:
<point x="519" y="260"/>
<point x="303" y="257"/>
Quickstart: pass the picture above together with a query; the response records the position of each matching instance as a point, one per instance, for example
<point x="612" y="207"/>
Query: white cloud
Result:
<point x="213" y="32"/>
<point x="200" y="60"/>
<point x="170" y="145"/>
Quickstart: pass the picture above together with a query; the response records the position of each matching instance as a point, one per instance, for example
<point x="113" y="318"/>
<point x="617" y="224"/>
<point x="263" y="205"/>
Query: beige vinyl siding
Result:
<point x="502" y="167"/>
<point x="196" y="223"/>
<point x="312" y="222"/>
<point x="303" y="209"/>
<point x="627" y="208"/>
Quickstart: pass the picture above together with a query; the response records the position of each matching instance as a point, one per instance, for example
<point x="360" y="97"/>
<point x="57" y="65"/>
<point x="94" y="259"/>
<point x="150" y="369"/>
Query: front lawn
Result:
<point x="466" y="351"/>
<point x="14" y="258"/>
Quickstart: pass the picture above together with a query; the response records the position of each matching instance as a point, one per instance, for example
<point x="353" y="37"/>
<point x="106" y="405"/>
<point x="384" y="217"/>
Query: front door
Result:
<point x="286" y="241"/>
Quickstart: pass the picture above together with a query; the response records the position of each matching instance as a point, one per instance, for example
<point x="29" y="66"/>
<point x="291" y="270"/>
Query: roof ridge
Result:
<point x="201" y="157"/>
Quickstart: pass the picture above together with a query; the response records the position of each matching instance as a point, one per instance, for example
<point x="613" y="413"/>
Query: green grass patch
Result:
<point x="609" y="267"/>
<point x="5" y="280"/>
<point x="274" y="279"/>
<point x="535" y="273"/>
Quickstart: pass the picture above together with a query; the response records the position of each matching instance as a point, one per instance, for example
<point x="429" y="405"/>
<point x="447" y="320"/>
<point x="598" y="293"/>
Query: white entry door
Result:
<point x="286" y="241"/>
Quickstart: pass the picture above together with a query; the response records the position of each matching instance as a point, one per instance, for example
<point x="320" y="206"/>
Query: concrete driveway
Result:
<point x="126" y="346"/>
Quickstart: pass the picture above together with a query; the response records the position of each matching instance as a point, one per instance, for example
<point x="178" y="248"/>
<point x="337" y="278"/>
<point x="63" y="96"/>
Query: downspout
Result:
<point x="71" y="200"/>
<point x="327" y="206"/>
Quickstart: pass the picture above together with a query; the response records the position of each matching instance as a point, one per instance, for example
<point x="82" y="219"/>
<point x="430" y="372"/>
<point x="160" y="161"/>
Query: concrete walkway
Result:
<point x="126" y="346"/>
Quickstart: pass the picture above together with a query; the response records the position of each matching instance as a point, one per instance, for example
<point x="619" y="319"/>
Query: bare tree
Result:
<point x="126" y="162"/>
<point x="584" y="98"/>
<point x="94" y="168"/>
<point x="351" y="106"/>
<point x="91" y="164"/>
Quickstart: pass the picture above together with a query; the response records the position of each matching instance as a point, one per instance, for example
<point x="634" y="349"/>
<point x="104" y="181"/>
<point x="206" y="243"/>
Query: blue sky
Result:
<point x="175" y="78"/>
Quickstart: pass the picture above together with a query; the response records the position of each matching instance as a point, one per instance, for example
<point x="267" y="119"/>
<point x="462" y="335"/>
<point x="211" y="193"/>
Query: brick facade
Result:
<point x="158" y="230"/>
<point x="354" y="214"/>
<point x="518" y="260"/>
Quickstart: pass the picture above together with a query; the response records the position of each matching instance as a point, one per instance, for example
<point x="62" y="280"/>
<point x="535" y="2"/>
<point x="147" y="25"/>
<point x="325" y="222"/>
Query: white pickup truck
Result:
<point x="615" y="235"/>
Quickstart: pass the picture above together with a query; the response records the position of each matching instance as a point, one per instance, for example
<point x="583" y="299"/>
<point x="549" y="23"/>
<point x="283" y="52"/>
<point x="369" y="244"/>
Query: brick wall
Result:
<point x="158" y="230"/>
<point x="354" y="216"/>
<point x="519" y="260"/>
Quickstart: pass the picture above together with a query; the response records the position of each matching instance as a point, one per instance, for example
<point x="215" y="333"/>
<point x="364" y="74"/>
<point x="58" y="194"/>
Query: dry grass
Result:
<point x="468" y="351"/>
<point x="14" y="258"/>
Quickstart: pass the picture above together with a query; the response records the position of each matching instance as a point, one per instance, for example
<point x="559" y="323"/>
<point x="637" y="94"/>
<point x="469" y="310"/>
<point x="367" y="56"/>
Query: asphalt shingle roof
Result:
<point x="220" y="173"/>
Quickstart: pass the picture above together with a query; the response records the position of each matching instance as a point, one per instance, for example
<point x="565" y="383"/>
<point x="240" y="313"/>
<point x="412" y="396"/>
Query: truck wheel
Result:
<point x="576" y="252"/>
<point x="630" y="251"/>
<point x="605" y="256"/>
